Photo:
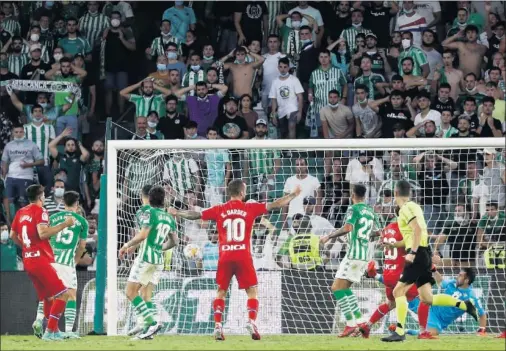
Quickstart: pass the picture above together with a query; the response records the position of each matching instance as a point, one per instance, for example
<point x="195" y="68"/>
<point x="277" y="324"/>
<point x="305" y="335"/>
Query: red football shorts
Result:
<point x="44" y="278"/>
<point x="244" y="272"/>
<point x="389" y="287"/>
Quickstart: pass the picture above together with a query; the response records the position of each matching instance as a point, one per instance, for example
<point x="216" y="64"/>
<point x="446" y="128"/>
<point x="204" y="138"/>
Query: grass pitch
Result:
<point x="279" y="342"/>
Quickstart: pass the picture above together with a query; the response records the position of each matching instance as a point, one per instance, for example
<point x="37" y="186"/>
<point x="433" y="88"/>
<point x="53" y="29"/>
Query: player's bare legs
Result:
<point x="57" y="308"/>
<point x="219" y="308"/>
<point x="348" y="305"/>
<point x="252" y="306"/>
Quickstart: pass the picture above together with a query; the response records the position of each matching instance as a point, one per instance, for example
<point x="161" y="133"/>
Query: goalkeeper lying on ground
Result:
<point x="441" y="317"/>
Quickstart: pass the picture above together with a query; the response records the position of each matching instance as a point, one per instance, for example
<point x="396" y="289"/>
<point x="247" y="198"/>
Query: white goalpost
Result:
<point x="452" y="178"/>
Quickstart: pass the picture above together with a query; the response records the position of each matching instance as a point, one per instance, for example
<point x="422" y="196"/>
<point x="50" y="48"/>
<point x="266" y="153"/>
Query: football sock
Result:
<point x="380" y="312"/>
<point x="353" y="303"/>
<point x="70" y="315"/>
<point x="152" y="308"/>
<point x="401" y="308"/>
<point x="342" y="301"/>
<point x="252" y="305"/>
<point x="47" y="308"/>
<point x="55" y="314"/>
<point x="40" y="311"/>
<point x="218" y="307"/>
<point x="142" y="310"/>
<point x="449" y="301"/>
<point x="423" y="315"/>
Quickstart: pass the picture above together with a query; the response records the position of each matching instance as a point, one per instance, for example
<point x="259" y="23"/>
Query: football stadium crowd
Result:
<point x="258" y="70"/>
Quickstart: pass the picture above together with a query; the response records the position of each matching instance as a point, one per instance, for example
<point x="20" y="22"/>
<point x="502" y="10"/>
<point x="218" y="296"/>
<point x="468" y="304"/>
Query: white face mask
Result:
<point x="461" y="219"/>
<point x="58" y="57"/>
<point x="296" y="24"/>
<point x="115" y="22"/>
<point x="406" y="43"/>
<point x="152" y="124"/>
<point x="34" y="37"/>
<point x="58" y="192"/>
<point x="357" y="25"/>
<point x="4" y="235"/>
<point x="334" y="105"/>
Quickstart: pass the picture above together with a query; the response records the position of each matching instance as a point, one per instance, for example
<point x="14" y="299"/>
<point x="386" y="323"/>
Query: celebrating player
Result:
<point x="156" y="226"/>
<point x="31" y="231"/>
<point x="393" y="266"/>
<point x="360" y="223"/>
<point x="441" y="317"/>
<point x="234" y="221"/>
<point x="68" y="246"/>
<point x="418" y="263"/>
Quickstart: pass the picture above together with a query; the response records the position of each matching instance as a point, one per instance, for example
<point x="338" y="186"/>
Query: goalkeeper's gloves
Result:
<point x="481" y="331"/>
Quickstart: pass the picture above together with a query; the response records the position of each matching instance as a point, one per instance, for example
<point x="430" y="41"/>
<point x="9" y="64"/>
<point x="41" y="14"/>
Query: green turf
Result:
<point x="281" y="342"/>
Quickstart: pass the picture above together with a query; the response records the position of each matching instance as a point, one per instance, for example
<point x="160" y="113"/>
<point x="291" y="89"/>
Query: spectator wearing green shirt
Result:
<point x="69" y="160"/>
<point x="491" y="226"/>
<point x="51" y="113"/>
<point x="290" y="38"/>
<point x="148" y="101"/>
<point x="73" y="44"/>
<point x="375" y="82"/>
<point x="65" y="71"/>
<point x="8" y="256"/>
<point x="421" y="65"/>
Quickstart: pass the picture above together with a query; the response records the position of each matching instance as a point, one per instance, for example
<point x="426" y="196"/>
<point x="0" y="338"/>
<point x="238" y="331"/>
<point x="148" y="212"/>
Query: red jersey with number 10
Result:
<point x="25" y="225"/>
<point x="234" y="222"/>
<point x="394" y="257"/>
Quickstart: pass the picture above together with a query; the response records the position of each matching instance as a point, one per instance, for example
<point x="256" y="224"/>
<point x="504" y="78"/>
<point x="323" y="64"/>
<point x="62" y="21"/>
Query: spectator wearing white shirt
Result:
<point x="431" y="11"/>
<point x="410" y="21"/>
<point x="287" y="101"/>
<point x="310" y="187"/>
<point x="368" y="171"/>
<point x="305" y="9"/>
<point x="270" y="69"/>
<point x="426" y="112"/>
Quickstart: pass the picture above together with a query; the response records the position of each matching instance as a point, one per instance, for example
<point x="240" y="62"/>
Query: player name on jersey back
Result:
<point x="25" y="225"/>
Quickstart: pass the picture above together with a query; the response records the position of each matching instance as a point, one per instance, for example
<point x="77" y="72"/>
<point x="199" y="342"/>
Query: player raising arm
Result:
<point x="68" y="246"/>
<point x="30" y="230"/>
<point x="360" y="223"/>
<point x="234" y="221"/>
<point x="157" y="234"/>
<point x="417" y="269"/>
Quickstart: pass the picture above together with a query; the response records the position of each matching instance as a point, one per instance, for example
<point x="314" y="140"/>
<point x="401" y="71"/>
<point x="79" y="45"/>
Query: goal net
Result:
<point x="458" y="182"/>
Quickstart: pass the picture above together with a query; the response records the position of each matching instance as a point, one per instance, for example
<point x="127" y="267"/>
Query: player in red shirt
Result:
<point x="234" y="222"/>
<point x="31" y="231"/>
<point x="393" y="265"/>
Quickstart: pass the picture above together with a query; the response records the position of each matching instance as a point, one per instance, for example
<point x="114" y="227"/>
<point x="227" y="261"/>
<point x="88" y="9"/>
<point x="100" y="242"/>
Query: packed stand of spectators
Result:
<point x="259" y="70"/>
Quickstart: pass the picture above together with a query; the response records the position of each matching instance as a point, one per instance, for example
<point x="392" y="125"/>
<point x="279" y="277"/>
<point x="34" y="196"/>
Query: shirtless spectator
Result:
<point x="470" y="53"/>
<point x="448" y="74"/>
<point x="242" y="72"/>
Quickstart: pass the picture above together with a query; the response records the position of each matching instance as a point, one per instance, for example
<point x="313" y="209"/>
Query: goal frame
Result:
<point x="113" y="146"/>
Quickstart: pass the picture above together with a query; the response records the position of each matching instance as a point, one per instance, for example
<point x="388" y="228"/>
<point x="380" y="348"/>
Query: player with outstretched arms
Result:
<point x="31" y="231"/>
<point x="68" y="246"/>
<point x="360" y="223"/>
<point x="393" y="252"/>
<point x="417" y="269"/>
<point x="234" y="222"/>
<point x="157" y="234"/>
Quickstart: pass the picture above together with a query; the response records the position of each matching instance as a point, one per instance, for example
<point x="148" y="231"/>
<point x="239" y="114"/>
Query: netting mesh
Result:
<point x="462" y="193"/>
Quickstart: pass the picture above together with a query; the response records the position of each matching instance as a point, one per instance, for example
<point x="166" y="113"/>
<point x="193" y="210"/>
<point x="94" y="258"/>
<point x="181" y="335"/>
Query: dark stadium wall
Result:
<point x="18" y="302"/>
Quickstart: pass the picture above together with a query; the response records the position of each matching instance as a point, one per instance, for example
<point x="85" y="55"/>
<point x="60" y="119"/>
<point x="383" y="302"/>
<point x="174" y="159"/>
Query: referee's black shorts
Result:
<point x="419" y="272"/>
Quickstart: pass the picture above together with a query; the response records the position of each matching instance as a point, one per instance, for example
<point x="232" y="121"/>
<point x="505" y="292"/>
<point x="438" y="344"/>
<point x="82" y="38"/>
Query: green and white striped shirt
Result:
<point x="12" y="26"/>
<point x="16" y="63"/>
<point x="349" y="34"/>
<point x="44" y="54"/>
<point x="92" y="27"/>
<point x="322" y="81"/>
<point x="41" y="136"/>
<point x="140" y="172"/>
<point x="370" y="82"/>
<point x="418" y="57"/>
<point x="181" y="173"/>
<point x="159" y="44"/>
<point x="145" y="104"/>
<point x="192" y="78"/>
<point x="261" y="161"/>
